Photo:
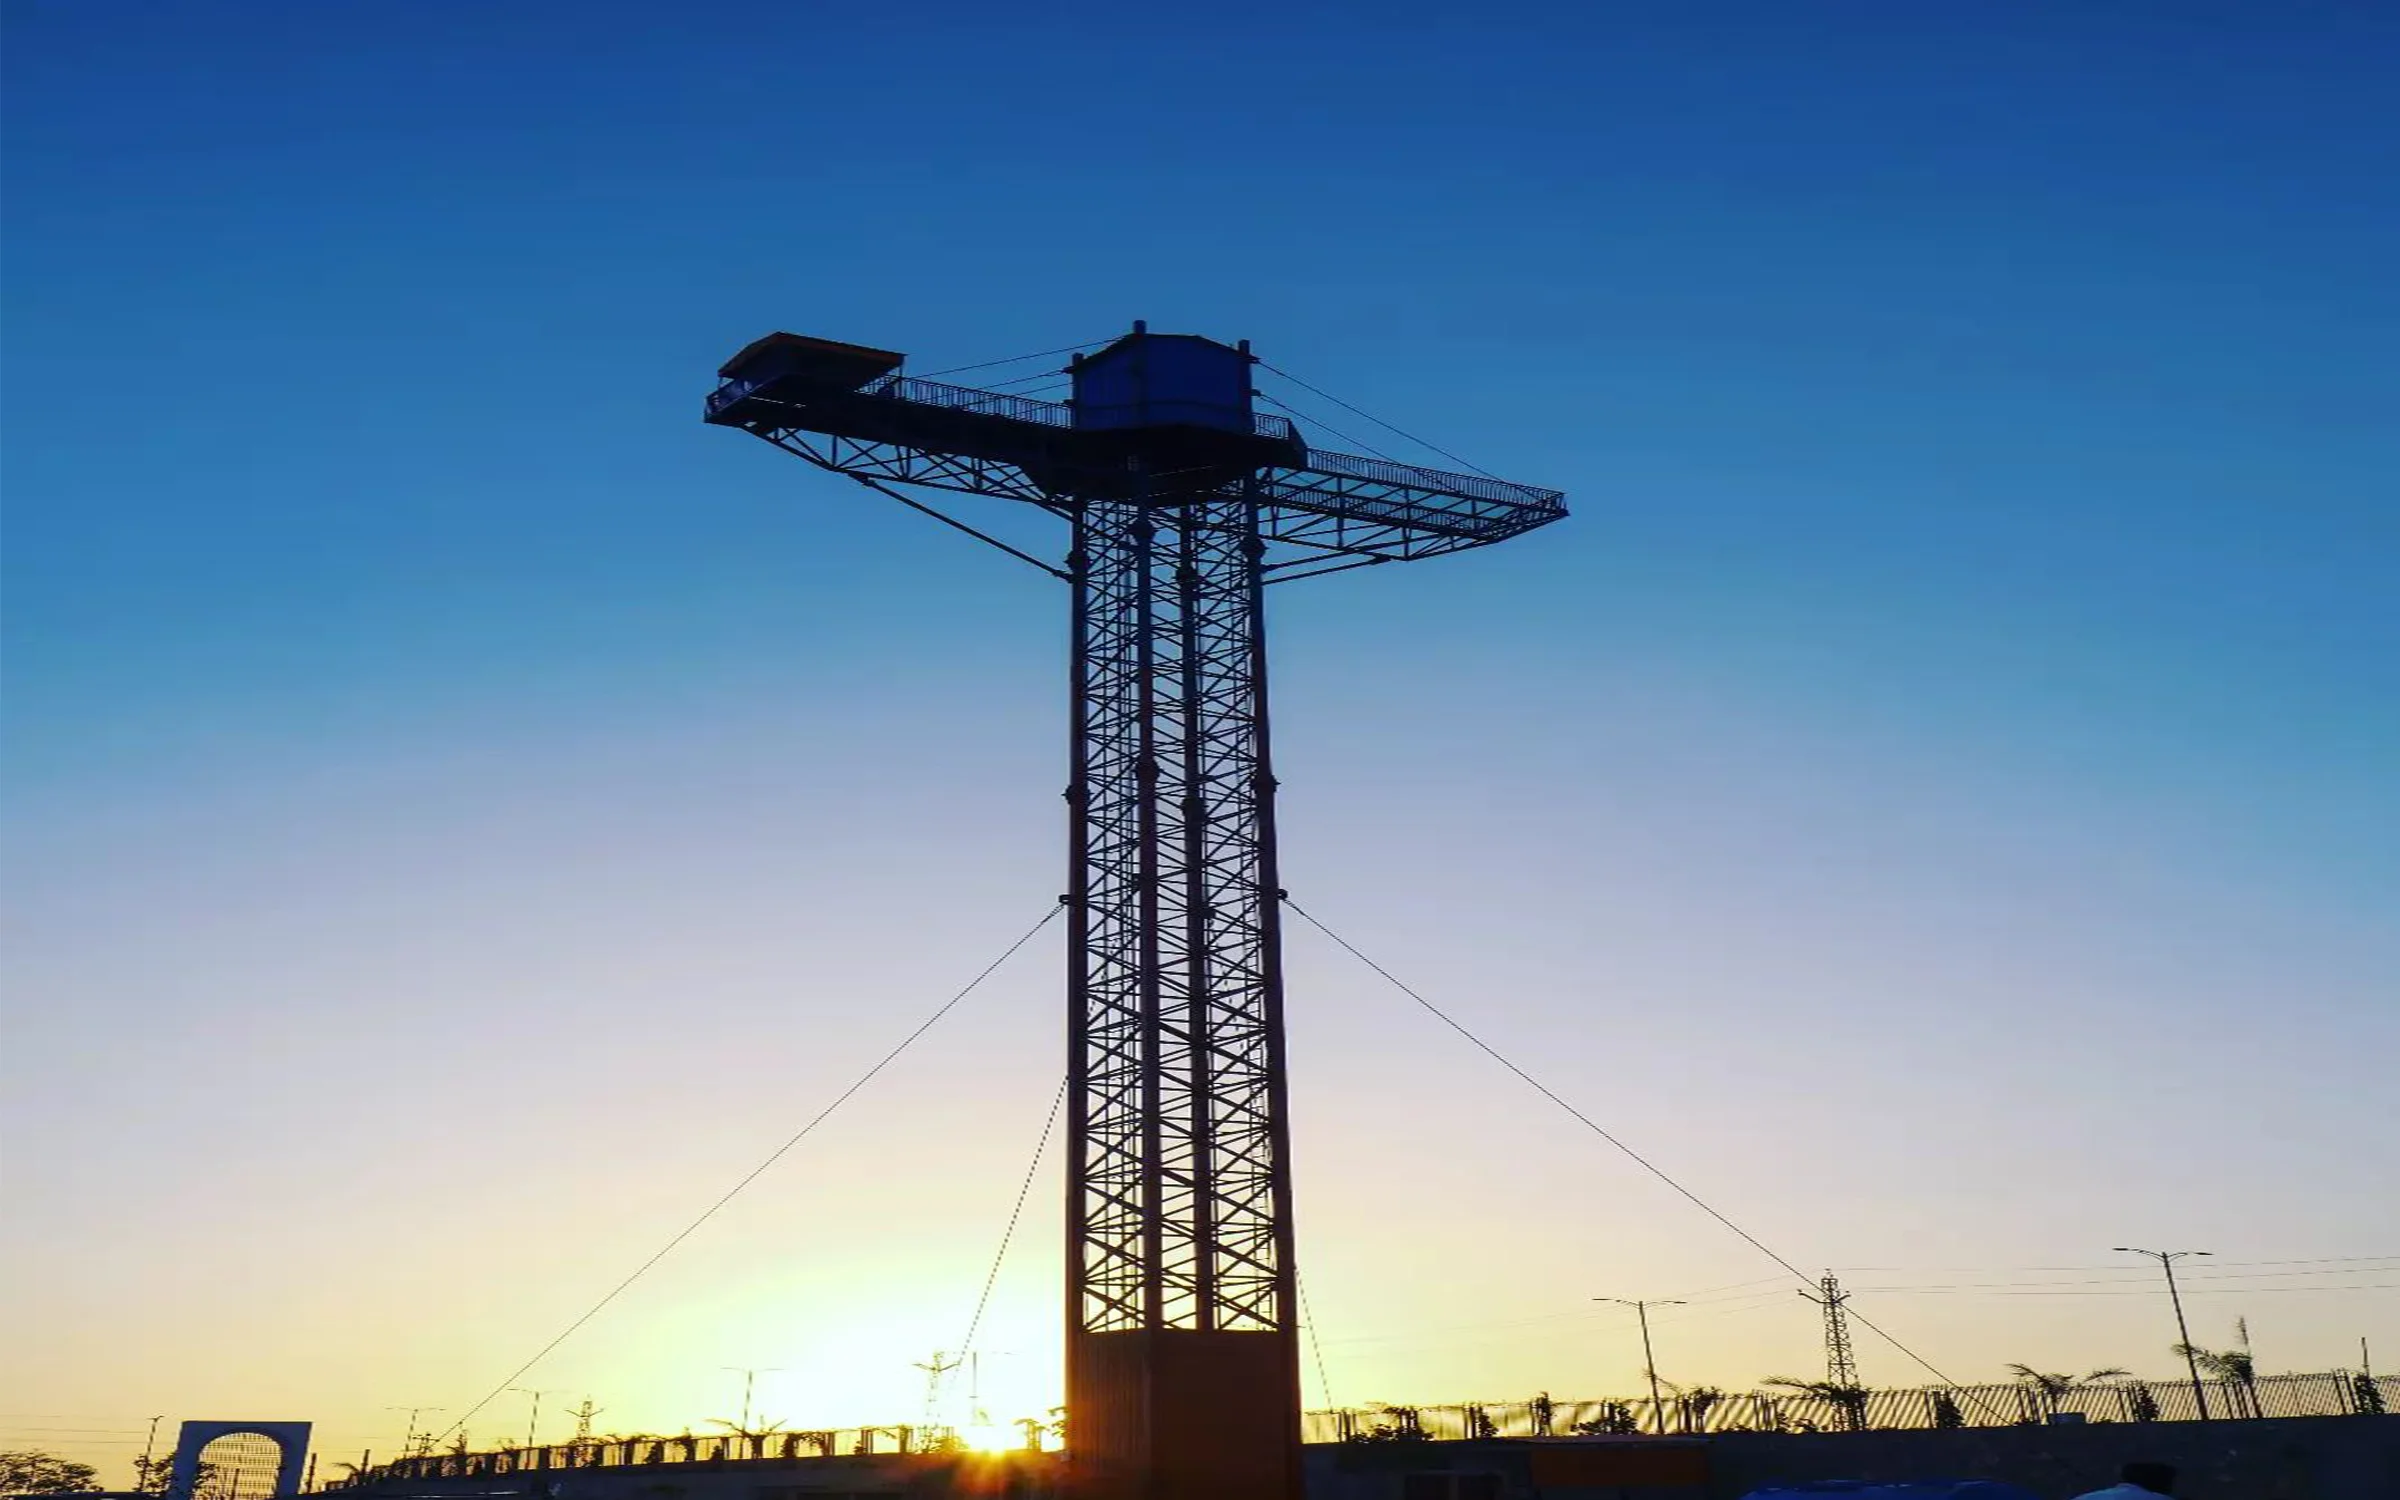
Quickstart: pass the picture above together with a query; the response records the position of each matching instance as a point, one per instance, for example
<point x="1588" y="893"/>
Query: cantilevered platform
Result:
<point x="851" y="409"/>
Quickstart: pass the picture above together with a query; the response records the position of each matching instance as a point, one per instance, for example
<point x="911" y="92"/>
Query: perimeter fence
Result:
<point x="626" y="1452"/>
<point x="1700" y="1410"/>
<point x="1704" y="1410"/>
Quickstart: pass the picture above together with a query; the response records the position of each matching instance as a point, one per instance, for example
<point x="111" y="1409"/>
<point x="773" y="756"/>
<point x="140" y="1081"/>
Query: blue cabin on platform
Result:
<point x="1180" y="406"/>
<point x="1150" y="379"/>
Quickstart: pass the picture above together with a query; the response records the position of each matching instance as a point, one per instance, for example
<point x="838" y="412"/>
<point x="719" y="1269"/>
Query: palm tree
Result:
<point x="2233" y="1366"/>
<point x="753" y="1437"/>
<point x="1405" y="1424"/>
<point x="1694" y="1403"/>
<point x="2053" y="1388"/>
<point x="1849" y="1400"/>
<point x="1616" y="1419"/>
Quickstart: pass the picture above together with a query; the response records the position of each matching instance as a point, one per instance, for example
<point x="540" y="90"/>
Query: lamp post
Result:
<point x="749" y="1380"/>
<point x="408" y="1445"/>
<point x="2166" y="1260"/>
<point x="533" y="1423"/>
<point x="1641" y="1310"/>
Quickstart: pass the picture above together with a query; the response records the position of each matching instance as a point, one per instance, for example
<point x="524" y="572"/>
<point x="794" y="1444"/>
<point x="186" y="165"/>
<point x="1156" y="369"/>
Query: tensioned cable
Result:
<point x="758" y="1171"/>
<point x="2144" y="1282"/>
<point x="1731" y="1286"/>
<point x="1378" y="421"/>
<point x="966" y="1345"/>
<point x="1309" y="1322"/>
<point x="1017" y="359"/>
<point x="1553" y="1320"/>
<point x="1544" y="1090"/>
<point x="1316" y="421"/>
<point x="1038" y="377"/>
<point x="2141" y="1271"/>
<point x="2189" y="1291"/>
<point x="955" y="524"/>
<point x="1595" y="1128"/>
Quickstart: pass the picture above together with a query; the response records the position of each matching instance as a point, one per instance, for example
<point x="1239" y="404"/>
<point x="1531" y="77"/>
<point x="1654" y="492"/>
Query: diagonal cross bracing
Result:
<point x="1176" y="1212"/>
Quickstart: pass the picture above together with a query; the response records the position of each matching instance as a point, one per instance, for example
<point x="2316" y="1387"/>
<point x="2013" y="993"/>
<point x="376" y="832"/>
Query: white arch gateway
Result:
<point x="290" y="1440"/>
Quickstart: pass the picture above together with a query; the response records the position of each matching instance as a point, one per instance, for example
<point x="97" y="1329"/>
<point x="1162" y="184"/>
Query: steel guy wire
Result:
<point x="756" y="1172"/>
<point x="1309" y="1322"/>
<point x="1378" y="421"/>
<point x="1015" y="359"/>
<point x="1640" y="1160"/>
<point x="966" y="1345"/>
<point x="1301" y="416"/>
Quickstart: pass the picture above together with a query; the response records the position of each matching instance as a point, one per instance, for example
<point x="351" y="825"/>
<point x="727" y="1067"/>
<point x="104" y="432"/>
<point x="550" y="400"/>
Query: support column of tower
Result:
<point x="1182" y="1359"/>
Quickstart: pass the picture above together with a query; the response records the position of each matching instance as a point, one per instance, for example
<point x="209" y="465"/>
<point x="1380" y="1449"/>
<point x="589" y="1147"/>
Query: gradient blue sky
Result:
<point x="1937" y="794"/>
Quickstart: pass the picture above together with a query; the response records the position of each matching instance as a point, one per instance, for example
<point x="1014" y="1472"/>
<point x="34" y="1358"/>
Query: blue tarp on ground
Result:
<point x="1928" y="1489"/>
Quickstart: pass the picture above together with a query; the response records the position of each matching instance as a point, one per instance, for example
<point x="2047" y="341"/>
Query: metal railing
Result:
<point x="2333" y="1394"/>
<point x="1385" y="471"/>
<point x="775" y="1447"/>
<point x="961" y="398"/>
<point x="926" y="393"/>
<point x="968" y="399"/>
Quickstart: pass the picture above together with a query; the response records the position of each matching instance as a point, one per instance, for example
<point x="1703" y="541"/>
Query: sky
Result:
<point x="1934" y="797"/>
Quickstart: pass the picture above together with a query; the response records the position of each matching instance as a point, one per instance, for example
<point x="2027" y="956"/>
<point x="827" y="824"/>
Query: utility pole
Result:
<point x="749" y="1382"/>
<point x="408" y="1445"/>
<point x="934" y="1370"/>
<point x="583" y="1420"/>
<point x="533" y="1423"/>
<point x="151" y="1441"/>
<point x="1641" y="1310"/>
<point x="977" y="1416"/>
<point x="2166" y="1262"/>
<point x="1841" y="1365"/>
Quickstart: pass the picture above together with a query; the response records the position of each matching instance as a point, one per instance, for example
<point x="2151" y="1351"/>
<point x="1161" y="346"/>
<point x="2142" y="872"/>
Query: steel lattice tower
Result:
<point x="1184" y="505"/>
<point x="1841" y="1363"/>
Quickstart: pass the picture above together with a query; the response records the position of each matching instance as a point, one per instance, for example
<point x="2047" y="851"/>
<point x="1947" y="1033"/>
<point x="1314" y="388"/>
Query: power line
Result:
<point x="2206" y="1291"/>
<point x="1757" y="1303"/>
<point x="2142" y="1281"/>
<point x="756" y="1172"/>
<point x="2324" y="1260"/>
<point x="966" y="1345"/>
<point x="1731" y="1286"/>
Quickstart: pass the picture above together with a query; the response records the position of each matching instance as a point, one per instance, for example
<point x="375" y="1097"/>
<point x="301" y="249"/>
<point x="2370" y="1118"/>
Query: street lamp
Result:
<point x="1641" y="1310"/>
<point x="533" y="1423"/>
<point x="2166" y="1260"/>
<point x="749" y="1376"/>
<point x="408" y="1445"/>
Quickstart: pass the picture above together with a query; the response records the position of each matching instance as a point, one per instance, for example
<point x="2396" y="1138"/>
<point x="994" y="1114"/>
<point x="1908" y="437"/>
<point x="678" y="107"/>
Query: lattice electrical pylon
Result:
<point x="1184" y="505"/>
<point x="1841" y="1364"/>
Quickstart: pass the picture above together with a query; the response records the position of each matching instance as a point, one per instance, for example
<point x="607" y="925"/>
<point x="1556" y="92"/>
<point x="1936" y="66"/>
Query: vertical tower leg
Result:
<point x="1182" y="1359"/>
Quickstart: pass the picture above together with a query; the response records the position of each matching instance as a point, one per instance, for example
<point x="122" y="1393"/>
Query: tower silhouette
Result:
<point x="1184" y="505"/>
